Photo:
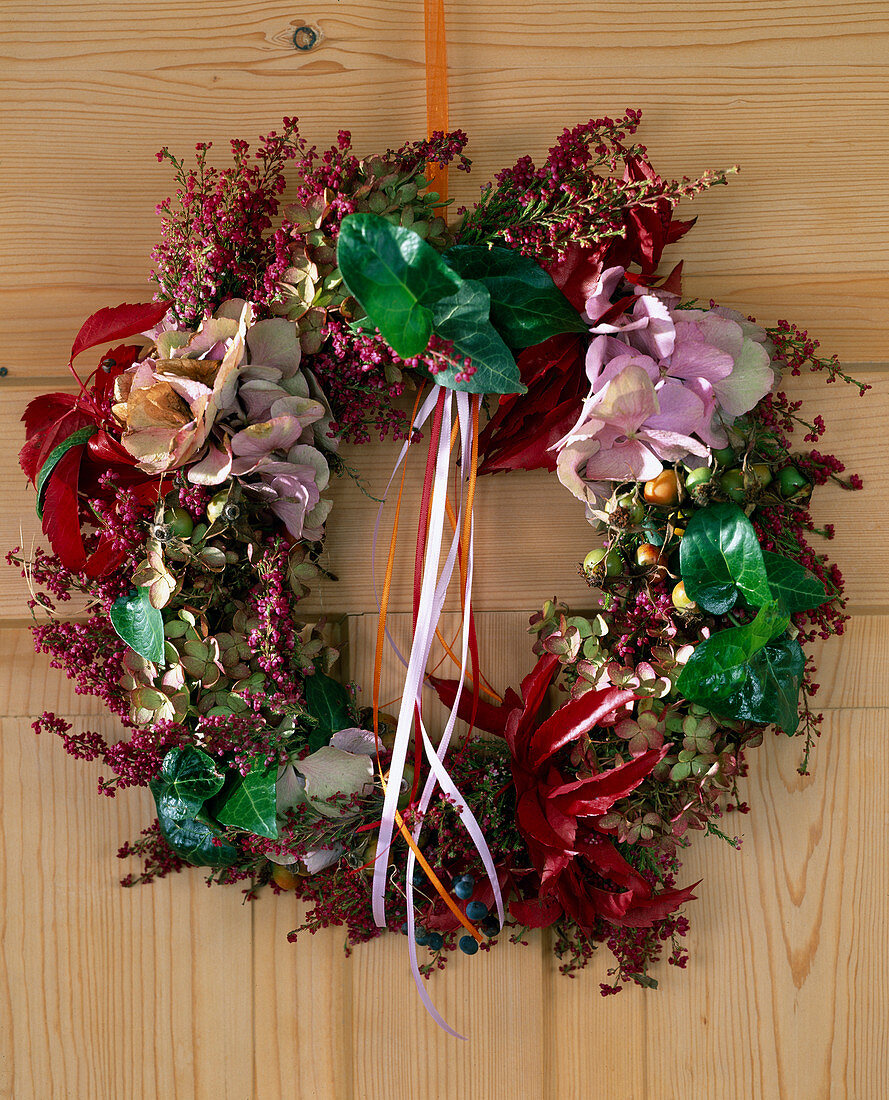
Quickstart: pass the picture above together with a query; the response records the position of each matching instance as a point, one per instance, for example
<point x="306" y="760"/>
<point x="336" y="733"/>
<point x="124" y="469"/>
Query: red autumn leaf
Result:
<point x="45" y="409"/>
<point x="106" y="558"/>
<point x="538" y="913"/>
<point x="117" y="323"/>
<point x="535" y="452"/>
<point x="595" y="795"/>
<point x="61" y="518"/>
<point x="534" y="688"/>
<point x="520" y="433"/>
<point x="114" y="363"/>
<point x="574" y="719"/>
<point x="488" y="717"/>
<point x="43" y="441"/>
<point x="577" y="273"/>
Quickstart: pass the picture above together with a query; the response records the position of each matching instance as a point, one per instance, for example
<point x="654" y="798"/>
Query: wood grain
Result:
<point x="173" y="990"/>
<point x="807" y="140"/>
<point x="365" y="37"/>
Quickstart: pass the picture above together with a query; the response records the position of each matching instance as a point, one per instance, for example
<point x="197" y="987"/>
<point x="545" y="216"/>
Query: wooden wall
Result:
<point x="176" y="991"/>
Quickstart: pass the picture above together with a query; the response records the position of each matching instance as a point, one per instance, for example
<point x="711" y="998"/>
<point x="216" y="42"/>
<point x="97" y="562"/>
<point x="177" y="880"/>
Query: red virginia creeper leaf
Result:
<point x="595" y="795"/>
<point x="488" y="717"/>
<point x="539" y="913"/>
<point x="61" y="519"/>
<point x="117" y="323"/>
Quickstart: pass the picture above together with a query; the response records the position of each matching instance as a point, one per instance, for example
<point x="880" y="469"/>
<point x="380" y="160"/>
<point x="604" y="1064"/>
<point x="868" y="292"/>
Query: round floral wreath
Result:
<point x="182" y="492"/>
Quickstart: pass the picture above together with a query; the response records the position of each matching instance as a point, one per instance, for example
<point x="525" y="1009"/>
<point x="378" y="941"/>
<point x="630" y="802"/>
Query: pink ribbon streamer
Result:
<point x="433" y="593"/>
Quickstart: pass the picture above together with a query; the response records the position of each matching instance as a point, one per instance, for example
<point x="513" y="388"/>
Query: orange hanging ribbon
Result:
<point x="436" y="89"/>
<point x="434" y="880"/>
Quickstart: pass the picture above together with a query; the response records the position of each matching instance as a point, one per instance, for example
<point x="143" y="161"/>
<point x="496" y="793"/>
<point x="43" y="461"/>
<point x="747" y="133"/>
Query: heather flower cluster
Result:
<point x="181" y="494"/>
<point x="576" y="198"/>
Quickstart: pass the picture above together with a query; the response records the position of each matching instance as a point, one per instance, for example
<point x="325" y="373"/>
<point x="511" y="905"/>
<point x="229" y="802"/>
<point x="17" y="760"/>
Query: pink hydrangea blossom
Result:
<point x="665" y="385"/>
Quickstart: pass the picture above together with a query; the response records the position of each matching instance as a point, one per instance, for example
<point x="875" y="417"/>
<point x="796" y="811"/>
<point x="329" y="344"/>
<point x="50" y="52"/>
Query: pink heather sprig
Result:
<point x="158" y="858"/>
<point x="361" y="377"/>
<point x="795" y="349"/>
<point x="215" y="241"/>
<point x="541" y="211"/>
<point x="338" y="170"/>
<point x="90" y="654"/>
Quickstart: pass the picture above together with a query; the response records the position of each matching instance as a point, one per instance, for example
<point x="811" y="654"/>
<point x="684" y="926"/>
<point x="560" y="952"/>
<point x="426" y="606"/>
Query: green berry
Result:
<point x="732" y="483"/>
<point x="697" y="477"/>
<point x="180" y="523"/>
<point x="790" y="481"/>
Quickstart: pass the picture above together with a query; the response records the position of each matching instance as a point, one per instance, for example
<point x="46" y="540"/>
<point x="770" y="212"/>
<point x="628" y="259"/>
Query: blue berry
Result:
<point x="418" y="877"/>
<point x="464" y="886"/>
<point x="490" y="926"/>
<point x="476" y="910"/>
<point x="421" y="936"/>
<point x="468" y="945"/>
<point x="435" y="941"/>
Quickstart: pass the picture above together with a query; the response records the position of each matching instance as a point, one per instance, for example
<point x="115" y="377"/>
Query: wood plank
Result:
<point x="373" y="36"/>
<point x="788" y="945"/>
<point x="303" y="1031"/>
<point x="110" y="992"/>
<point x="80" y="241"/>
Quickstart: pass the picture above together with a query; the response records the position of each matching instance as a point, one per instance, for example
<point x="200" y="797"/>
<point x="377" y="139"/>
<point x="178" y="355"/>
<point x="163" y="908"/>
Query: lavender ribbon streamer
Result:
<point x="416" y="666"/>
<point x="432" y="598"/>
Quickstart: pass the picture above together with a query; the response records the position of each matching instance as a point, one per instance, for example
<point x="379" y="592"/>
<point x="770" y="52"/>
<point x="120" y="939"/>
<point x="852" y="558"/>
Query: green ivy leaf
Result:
<point x="719" y="557"/>
<point x="719" y="665"/>
<point x="771" y="691"/>
<point x="251" y="803"/>
<point x="187" y="777"/>
<point x="140" y="625"/>
<point x="195" y="841"/>
<point x="526" y="305"/>
<point x="793" y="584"/>
<point x="328" y="703"/>
<point x="463" y="319"/>
<point x="395" y="276"/>
<point x="53" y="459"/>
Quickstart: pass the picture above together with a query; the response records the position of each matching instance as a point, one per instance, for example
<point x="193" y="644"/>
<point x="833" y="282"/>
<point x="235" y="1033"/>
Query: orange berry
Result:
<point x="663" y="489"/>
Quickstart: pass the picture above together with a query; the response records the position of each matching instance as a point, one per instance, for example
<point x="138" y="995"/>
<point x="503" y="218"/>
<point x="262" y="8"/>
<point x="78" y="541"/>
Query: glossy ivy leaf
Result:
<point x="188" y="777"/>
<point x="328" y="703"/>
<point x="196" y="842"/>
<point x="793" y="584"/>
<point x="463" y="319"/>
<point x="251" y="803"/>
<point x="719" y="665"/>
<point x="140" y="625"/>
<point x="720" y="557"/>
<point x="396" y="277"/>
<point x="526" y="305"/>
<point x="770" y="693"/>
<point x="73" y="440"/>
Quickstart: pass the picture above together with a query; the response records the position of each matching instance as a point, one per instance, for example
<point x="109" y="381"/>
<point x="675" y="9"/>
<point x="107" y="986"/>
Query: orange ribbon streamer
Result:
<point x="378" y="667"/>
<point x="436" y="89"/>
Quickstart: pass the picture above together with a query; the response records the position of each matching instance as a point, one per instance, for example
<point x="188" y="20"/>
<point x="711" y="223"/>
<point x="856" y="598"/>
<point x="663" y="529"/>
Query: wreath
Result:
<point x="183" y="492"/>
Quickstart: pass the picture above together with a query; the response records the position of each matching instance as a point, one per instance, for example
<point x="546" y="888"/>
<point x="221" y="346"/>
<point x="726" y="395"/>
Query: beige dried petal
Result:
<point x="159" y="406"/>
